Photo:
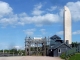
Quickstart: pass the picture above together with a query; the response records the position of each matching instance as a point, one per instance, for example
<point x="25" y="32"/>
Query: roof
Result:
<point x="55" y="37"/>
<point x="57" y="46"/>
<point x="59" y="41"/>
<point x="37" y="38"/>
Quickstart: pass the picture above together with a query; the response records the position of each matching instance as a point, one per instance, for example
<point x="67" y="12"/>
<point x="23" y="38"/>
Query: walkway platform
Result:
<point x="30" y="58"/>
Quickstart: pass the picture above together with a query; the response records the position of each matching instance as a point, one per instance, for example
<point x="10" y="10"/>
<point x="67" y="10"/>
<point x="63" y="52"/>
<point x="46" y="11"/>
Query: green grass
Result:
<point x="63" y="56"/>
<point x="75" y="57"/>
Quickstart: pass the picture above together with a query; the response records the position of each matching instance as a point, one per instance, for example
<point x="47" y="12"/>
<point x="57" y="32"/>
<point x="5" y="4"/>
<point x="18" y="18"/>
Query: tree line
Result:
<point x="13" y="51"/>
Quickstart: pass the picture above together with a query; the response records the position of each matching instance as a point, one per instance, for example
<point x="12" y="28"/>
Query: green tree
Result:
<point x="74" y="44"/>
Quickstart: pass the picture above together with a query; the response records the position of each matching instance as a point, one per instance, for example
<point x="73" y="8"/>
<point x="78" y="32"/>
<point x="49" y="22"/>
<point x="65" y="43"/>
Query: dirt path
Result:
<point x="30" y="58"/>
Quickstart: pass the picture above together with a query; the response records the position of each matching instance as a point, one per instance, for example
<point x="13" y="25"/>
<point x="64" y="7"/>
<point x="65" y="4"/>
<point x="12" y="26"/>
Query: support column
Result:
<point x="37" y="48"/>
<point x="29" y="48"/>
<point x="25" y="47"/>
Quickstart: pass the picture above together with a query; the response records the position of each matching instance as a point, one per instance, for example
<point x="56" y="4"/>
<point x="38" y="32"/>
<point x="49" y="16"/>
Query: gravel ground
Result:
<point x="30" y="58"/>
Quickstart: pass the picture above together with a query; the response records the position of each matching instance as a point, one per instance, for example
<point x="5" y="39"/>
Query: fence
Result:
<point x="9" y="54"/>
<point x="72" y="51"/>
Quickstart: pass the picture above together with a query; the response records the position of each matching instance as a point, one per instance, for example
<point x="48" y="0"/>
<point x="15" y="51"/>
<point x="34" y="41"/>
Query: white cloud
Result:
<point x="5" y="9"/>
<point x="23" y="14"/>
<point x="38" y="18"/>
<point x="46" y="19"/>
<point x="18" y="47"/>
<point x="29" y="32"/>
<point x="22" y="19"/>
<point x="12" y="20"/>
<point x="61" y="13"/>
<point x="60" y="33"/>
<point x="75" y="10"/>
<point x="52" y="8"/>
<point x="76" y="32"/>
<point x="7" y="17"/>
<point x="43" y="31"/>
<point x="37" y="10"/>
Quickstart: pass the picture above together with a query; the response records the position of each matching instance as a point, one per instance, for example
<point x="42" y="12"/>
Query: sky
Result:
<point x="35" y="18"/>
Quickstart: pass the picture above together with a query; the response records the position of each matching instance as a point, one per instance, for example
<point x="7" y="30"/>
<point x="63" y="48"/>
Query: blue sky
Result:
<point x="35" y="18"/>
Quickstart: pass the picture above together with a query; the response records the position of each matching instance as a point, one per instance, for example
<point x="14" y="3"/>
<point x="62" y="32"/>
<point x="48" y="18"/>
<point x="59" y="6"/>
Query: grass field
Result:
<point x="75" y="57"/>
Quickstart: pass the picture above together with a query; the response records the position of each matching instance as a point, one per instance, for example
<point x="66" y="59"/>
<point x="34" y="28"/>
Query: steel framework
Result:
<point x="36" y="47"/>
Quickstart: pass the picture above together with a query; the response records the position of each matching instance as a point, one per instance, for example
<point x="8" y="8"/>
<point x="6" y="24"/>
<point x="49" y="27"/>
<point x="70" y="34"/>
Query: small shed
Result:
<point x="57" y="46"/>
<point x="58" y="49"/>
